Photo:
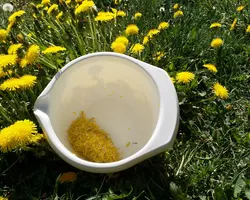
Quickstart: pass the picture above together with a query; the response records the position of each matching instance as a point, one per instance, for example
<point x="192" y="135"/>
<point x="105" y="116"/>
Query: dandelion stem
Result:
<point x="47" y="63"/>
<point x="14" y="99"/>
<point x="209" y="99"/>
<point x="104" y="38"/>
<point x="8" y="100"/>
<point x="82" y="50"/>
<point x="204" y="100"/>
<point x="97" y="39"/>
<point x="2" y="173"/>
<point x="93" y="36"/>
<point x="32" y="94"/>
<point x="182" y="162"/>
<point x="25" y="96"/>
<point x="4" y="114"/>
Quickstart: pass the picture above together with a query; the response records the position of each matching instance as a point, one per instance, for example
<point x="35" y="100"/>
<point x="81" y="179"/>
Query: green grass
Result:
<point x="210" y="158"/>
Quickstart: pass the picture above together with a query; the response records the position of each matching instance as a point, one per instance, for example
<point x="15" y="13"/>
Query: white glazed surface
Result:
<point x="133" y="101"/>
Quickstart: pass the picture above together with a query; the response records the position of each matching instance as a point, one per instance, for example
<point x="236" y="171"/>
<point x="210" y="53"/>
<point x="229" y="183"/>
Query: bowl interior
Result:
<point x="119" y="94"/>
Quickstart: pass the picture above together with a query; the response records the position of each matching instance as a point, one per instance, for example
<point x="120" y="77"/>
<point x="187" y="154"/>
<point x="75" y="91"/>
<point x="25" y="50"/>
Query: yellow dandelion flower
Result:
<point x="3" y="73"/>
<point x="229" y="107"/>
<point x="12" y="84"/>
<point x="16" y="14"/>
<point x="122" y="39"/>
<point x="53" y="49"/>
<point x="67" y="177"/>
<point x="176" y="6"/>
<point x="23" y="63"/>
<point x="52" y="8"/>
<point x="104" y="16"/>
<point x="216" y="43"/>
<point x="59" y="15"/>
<point x="17" y="135"/>
<point x="39" y="5"/>
<point x="233" y="25"/>
<point x="121" y="13"/>
<point x="220" y="91"/>
<point x="240" y="8"/>
<point x="118" y="47"/>
<point x="85" y="6"/>
<point x="211" y="67"/>
<point x="153" y="32"/>
<point x="137" y="48"/>
<point x="178" y="13"/>
<point x="27" y="81"/>
<point x="114" y="10"/>
<point x="3" y="198"/>
<point x="10" y="25"/>
<point x="116" y="2"/>
<point x="132" y="29"/>
<point x="3" y="34"/>
<point x="45" y="2"/>
<point x="137" y="15"/>
<point x="163" y="25"/>
<point x="184" y="77"/>
<point x="172" y="79"/>
<point x="36" y="138"/>
<point x="145" y="40"/>
<point x="14" y="48"/>
<point x="248" y="29"/>
<point x="215" y="25"/>
<point x="7" y="60"/>
<point x="101" y="13"/>
<point x="159" y="55"/>
<point x="20" y="37"/>
<point x="32" y="54"/>
<point x="68" y="1"/>
<point x="116" y="13"/>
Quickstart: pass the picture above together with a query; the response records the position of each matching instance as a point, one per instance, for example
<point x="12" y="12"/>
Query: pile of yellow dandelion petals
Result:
<point x="90" y="142"/>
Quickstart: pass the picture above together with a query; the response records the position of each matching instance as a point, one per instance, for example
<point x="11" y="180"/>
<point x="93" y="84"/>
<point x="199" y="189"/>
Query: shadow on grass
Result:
<point x="36" y="179"/>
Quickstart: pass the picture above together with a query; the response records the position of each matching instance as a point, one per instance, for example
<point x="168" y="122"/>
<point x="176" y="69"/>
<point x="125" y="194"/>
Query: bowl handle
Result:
<point x="167" y="127"/>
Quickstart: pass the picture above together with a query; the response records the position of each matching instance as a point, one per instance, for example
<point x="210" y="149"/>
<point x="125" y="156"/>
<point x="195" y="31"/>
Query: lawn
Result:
<point x="203" y="45"/>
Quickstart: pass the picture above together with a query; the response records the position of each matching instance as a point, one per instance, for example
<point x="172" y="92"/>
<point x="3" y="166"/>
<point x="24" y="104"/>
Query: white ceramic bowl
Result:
<point x="136" y="103"/>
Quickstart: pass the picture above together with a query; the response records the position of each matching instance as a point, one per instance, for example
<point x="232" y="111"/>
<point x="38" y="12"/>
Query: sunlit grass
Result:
<point x="211" y="155"/>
